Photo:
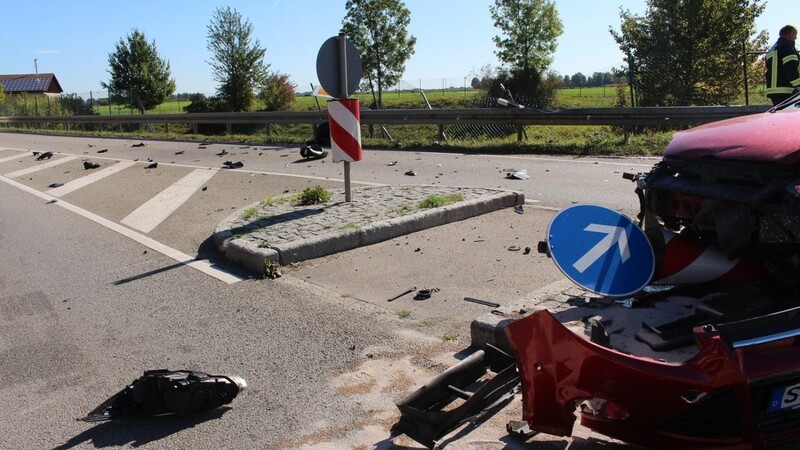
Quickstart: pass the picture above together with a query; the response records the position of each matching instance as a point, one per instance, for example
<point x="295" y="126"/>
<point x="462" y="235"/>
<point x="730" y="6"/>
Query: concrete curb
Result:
<point x="490" y="328"/>
<point x="253" y="258"/>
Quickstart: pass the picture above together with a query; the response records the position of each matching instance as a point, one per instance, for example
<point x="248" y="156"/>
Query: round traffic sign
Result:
<point x="329" y="66"/>
<point x="601" y="250"/>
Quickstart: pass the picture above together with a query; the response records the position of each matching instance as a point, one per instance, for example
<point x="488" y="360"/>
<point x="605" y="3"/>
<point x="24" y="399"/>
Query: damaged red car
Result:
<point x="733" y="186"/>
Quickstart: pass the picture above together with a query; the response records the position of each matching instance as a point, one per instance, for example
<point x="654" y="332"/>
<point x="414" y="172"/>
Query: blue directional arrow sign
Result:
<point x="601" y="250"/>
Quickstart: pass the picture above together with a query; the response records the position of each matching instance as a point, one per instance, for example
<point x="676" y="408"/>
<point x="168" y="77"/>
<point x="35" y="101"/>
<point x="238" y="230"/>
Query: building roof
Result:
<point x="45" y="83"/>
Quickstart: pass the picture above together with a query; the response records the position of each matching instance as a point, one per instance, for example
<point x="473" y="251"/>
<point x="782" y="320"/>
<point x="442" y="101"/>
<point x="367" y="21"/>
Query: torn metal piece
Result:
<point x="423" y="417"/>
<point x="162" y="391"/>
<point x="402" y="294"/>
<point x="482" y="302"/>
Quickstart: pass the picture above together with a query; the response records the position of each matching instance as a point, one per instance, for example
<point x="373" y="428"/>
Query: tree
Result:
<point x="277" y="93"/>
<point x="529" y="31"/>
<point x="378" y="28"/>
<point x="138" y="74"/>
<point x="237" y="63"/>
<point x="689" y="52"/>
<point x="578" y="80"/>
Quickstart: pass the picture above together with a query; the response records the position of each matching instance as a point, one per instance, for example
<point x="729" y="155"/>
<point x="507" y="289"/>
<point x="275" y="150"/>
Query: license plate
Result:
<point x="786" y="397"/>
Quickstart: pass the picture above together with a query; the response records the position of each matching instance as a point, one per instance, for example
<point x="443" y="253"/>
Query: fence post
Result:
<point x="744" y="68"/>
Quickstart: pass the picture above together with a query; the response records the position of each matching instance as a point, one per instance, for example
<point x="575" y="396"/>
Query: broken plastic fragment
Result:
<point x="518" y="175"/>
<point x="169" y="392"/>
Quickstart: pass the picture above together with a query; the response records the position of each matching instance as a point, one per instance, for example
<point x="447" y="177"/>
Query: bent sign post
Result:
<point x="339" y="71"/>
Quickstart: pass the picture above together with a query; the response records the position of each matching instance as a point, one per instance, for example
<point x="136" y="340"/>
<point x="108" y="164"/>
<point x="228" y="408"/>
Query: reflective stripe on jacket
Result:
<point x="783" y="75"/>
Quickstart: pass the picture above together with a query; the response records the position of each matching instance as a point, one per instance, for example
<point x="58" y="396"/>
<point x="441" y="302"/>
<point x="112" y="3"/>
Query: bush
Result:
<point x="277" y="93"/>
<point x="314" y="196"/>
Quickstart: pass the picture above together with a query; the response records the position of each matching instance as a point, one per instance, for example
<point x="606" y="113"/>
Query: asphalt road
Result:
<point x="86" y="310"/>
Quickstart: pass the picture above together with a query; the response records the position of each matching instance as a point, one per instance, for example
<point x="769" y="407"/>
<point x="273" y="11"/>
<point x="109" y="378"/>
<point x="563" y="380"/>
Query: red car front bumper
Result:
<point x="720" y="398"/>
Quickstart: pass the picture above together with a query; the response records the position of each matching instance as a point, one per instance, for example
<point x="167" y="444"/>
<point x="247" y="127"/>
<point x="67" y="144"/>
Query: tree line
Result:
<point x="677" y="53"/>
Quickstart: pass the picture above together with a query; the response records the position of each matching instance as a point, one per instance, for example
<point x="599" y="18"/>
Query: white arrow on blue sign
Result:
<point x="601" y="250"/>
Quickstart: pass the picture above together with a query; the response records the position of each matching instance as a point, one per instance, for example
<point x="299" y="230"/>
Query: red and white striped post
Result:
<point x="345" y="123"/>
<point x="681" y="260"/>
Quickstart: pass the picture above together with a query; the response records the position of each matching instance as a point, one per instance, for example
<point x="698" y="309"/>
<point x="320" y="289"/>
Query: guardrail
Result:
<point x="651" y="116"/>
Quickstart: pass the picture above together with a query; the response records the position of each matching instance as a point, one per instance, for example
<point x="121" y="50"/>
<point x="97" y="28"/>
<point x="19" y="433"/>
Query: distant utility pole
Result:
<point x="36" y="64"/>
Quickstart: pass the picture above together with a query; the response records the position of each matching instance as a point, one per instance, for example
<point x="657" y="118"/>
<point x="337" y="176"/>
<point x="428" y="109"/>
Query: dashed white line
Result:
<point x="202" y="266"/>
<point x="89" y="179"/>
<point x="39" y="167"/>
<point x="148" y="216"/>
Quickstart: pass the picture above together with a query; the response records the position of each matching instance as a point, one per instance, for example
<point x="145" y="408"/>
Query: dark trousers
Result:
<point x="778" y="98"/>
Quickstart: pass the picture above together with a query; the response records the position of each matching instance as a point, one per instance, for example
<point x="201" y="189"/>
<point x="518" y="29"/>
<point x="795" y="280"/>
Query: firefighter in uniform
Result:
<point x="783" y="77"/>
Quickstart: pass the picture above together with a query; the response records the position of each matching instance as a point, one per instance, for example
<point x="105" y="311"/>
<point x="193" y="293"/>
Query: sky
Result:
<point x="454" y="37"/>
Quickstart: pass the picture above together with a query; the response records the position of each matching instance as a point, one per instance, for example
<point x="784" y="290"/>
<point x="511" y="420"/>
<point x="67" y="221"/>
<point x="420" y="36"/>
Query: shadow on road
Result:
<point x="138" y="432"/>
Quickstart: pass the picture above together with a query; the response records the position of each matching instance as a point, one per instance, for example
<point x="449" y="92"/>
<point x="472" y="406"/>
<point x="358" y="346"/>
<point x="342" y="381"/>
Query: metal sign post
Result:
<point x="339" y="71"/>
<point x="345" y="94"/>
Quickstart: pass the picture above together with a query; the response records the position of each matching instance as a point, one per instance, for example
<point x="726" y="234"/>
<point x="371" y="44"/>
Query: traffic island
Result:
<point x="282" y="231"/>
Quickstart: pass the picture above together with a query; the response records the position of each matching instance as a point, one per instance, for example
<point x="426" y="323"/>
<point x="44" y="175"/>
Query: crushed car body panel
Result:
<point x="720" y="398"/>
<point x="757" y="137"/>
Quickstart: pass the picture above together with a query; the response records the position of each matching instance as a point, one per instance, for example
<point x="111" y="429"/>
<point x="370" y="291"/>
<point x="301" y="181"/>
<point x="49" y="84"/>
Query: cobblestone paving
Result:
<point x="279" y="220"/>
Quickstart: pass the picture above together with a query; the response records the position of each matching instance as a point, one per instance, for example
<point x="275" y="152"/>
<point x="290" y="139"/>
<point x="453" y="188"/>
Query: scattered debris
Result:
<point x="400" y="295"/>
<point x="519" y="430"/>
<point x="159" y="392"/>
<point x="201" y="147"/>
<point x="90" y="165"/>
<point x="180" y="152"/>
<point x="233" y="165"/>
<point x="425" y="294"/>
<point x="151" y="165"/>
<point x="392" y="163"/>
<point x="482" y="302"/>
<point x="90" y="145"/>
<point x="519" y="209"/>
<point x="526" y="251"/>
<point x="140" y="144"/>
<point x="518" y="175"/>
<point x="51" y="201"/>
<point x="411" y="173"/>
<point x="428" y="413"/>
<point x="45" y="155"/>
<point x="313" y="151"/>
<point x="55" y="185"/>
<point x="102" y="151"/>
<point x="514" y="248"/>
<point x="205" y="188"/>
<point x="222" y="153"/>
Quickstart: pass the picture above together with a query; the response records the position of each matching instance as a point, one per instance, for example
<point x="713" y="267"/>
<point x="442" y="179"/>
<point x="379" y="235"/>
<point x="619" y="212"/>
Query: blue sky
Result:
<point x="454" y="37"/>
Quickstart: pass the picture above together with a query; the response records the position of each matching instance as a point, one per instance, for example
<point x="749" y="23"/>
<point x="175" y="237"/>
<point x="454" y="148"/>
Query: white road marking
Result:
<point x="148" y="216"/>
<point x="13" y="157"/>
<point x="39" y="167"/>
<point x="202" y="266"/>
<point x="89" y="179"/>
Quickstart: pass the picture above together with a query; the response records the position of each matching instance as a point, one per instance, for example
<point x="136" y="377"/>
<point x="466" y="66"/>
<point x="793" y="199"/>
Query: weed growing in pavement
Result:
<point x="435" y="200"/>
<point x="314" y="196"/>
<point x="264" y="244"/>
<point x="401" y="210"/>
<point x="272" y="269"/>
<point x="272" y="201"/>
<point x="350" y="226"/>
<point x="449" y="336"/>
<point x="404" y="314"/>
<point x="248" y="213"/>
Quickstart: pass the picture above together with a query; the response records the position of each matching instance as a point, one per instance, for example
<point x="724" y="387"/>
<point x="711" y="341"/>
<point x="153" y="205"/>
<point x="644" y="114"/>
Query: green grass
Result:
<point x="435" y="200"/>
<point x="249" y="212"/>
<point x="314" y="196"/>
<point x="404" y="314"/>
<point x="449" y="336"/>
